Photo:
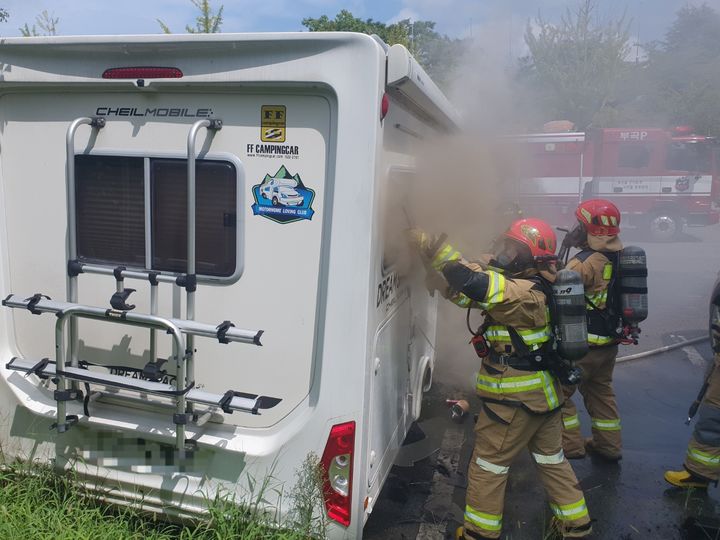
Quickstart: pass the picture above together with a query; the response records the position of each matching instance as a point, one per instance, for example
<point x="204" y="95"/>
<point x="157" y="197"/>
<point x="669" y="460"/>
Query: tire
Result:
<point x="263" y="196"/>
<point x="665" y="227"/>
<point x="275" y="201"/>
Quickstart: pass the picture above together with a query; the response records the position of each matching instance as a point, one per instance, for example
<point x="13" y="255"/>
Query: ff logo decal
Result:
<point x="283" y="198"/>
<point x="272" y="123"/>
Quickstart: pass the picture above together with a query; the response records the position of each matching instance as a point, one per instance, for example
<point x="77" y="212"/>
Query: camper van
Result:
<point x="198" y="288"/>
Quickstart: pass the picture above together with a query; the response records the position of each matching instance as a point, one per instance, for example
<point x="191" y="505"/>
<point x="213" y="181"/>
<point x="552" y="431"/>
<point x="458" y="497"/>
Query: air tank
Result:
<point x="570" y="315"/>
<point x="633" y="285"/>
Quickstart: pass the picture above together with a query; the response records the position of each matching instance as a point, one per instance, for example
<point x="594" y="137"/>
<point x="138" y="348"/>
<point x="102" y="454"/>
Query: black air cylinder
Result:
<point x="633" y="285"/>
<point x="570" y="315"/>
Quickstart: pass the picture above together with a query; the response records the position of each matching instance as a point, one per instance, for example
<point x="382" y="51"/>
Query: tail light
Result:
<point x="142" y="72"/>
<point x="337" y="463"/>
<point x="384" y="106"/>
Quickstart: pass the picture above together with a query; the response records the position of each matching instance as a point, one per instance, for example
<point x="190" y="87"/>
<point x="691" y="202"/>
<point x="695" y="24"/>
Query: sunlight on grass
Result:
<point x="38" y="503"/>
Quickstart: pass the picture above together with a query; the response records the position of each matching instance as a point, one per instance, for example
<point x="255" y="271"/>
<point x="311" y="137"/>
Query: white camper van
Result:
<point x="192" y="248"/>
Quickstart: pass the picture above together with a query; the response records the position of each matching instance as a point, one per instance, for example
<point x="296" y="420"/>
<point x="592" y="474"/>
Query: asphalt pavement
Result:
<point x="424" y="495"/>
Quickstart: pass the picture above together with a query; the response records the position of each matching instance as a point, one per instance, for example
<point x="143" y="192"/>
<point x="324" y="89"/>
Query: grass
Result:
<point x="38" y="503"/>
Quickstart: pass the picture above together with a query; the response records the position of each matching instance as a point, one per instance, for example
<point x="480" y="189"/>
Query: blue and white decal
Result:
<point x="283" y="198"/>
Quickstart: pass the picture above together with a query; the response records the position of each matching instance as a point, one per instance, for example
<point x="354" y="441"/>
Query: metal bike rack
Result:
<point x="67" y="370"/>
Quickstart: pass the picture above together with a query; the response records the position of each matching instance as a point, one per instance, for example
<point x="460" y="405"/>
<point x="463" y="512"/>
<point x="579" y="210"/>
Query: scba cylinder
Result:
<point x="570" y="315"/>
<point x="633" y="285"/>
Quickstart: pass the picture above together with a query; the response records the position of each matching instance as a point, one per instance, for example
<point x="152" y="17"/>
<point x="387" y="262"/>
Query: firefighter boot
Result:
<point x="460" y="534"/>
<point x="685" y="479"/>
<point x="592" y="448"/>
<point x="557" y="528"/>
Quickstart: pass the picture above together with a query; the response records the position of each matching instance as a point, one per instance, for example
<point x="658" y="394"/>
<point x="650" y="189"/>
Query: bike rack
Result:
<point x="67" y="371"/>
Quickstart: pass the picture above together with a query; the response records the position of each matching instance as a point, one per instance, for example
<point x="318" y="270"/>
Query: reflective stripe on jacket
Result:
<point x="509" y="303"/>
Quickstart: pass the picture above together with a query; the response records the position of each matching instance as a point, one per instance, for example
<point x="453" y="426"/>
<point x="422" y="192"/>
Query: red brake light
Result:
<point x="337" y="463"/>
<point x="142" y="73"/>
<point x="384" y="106"/>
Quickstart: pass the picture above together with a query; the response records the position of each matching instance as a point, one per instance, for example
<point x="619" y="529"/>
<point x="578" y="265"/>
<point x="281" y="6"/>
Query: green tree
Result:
<point x="4" y="15"/>
<point x="345" y="21"/>
<point x="45" y="22"/>
<point x="206" y="22"/>
<point x="574" y="67"/>
<point x="680" y="81"/>
<point x="437" y="53"/>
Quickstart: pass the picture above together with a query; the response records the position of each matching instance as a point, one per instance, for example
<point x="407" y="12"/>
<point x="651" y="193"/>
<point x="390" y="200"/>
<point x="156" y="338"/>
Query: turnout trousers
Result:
<point x="502" y="432"/>
<point x="599" y="397"/>
<point x="703" y="453"/>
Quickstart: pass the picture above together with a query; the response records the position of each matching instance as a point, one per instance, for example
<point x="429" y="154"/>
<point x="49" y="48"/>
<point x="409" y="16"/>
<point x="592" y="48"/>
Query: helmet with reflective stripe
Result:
<point x="599" y="216"/>
<point x="537" y="235"/>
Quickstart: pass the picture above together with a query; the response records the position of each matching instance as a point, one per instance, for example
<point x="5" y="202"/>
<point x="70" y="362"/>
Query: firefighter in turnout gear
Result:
<point x="702" y="460"/>
<point x="597" y="237"/>
<point x="520" y="395"/>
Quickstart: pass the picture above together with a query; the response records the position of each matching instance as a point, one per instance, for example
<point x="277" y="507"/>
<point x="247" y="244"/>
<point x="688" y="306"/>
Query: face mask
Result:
<point x="576" y="237"/>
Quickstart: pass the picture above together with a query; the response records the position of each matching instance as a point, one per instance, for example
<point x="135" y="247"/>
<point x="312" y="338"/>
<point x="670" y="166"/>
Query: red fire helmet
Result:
<point x="599" y="216"/>
<point x="537" y="235"/>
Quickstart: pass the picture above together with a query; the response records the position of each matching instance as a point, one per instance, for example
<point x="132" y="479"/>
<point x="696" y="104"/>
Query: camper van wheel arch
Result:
<point x="665" y="226"/>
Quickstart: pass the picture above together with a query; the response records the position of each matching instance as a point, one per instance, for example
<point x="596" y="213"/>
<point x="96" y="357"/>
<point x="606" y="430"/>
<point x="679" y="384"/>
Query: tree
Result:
<point x="574" y="67"/>
<point x="437" y="53"/>
<point x="345" y="21"/>
<point x="4" y="15"/>
<point x="680" y="82"/>
<point x="206" y="22"/>
<point x="47" y="24"/>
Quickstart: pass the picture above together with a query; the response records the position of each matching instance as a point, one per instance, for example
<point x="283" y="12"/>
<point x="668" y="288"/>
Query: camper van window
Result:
<point x="215" y="222"/>
<point x="633" y="156"/>
<point x="111" y="213"/>
<point x="689" y="157"/>
<point x="110" y="210"/>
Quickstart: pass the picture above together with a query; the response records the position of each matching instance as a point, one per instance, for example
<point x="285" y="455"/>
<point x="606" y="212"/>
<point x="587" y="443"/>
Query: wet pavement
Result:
<point x="628" y="500"/>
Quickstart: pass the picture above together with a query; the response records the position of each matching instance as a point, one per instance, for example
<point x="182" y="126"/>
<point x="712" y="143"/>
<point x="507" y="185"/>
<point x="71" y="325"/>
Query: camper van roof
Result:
<point x="82" y="59"/>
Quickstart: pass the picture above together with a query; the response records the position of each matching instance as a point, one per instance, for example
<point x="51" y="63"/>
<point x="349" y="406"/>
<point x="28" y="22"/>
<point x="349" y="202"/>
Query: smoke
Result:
<point x="464" y="185"/>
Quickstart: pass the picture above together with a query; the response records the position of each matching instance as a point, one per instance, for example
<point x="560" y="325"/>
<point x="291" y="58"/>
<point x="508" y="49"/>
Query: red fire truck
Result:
<point x="660" y="180"/>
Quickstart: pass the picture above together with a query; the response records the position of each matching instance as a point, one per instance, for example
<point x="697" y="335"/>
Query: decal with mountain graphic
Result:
<point x="283" y="197"/>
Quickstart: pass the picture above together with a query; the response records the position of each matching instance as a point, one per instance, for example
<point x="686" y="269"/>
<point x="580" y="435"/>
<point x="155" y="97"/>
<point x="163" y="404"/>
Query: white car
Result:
<point x="281" y="192"/>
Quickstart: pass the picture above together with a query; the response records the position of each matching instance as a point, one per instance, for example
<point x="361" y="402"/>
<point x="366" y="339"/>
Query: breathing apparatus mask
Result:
<point x="511" y="256"/>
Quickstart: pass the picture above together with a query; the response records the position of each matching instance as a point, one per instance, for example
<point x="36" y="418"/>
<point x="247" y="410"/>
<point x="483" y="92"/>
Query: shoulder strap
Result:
<point x="584" y="255"/>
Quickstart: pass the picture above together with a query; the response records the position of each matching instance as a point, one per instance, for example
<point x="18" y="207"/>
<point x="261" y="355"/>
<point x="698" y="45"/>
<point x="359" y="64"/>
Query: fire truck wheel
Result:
<point x="665" y="227"/>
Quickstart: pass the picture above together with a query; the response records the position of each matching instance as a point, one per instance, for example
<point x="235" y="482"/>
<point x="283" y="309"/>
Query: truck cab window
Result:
<point x="633" y="156"/>
<point x="692" y="157"/>
<point x="110" y="197"/>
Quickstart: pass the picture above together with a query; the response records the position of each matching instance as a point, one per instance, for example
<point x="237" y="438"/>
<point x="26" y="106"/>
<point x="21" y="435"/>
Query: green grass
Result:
<point x="37" y="503"/>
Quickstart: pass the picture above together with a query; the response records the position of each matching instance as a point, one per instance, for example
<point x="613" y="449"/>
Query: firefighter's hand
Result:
<point x="418" y="239"/>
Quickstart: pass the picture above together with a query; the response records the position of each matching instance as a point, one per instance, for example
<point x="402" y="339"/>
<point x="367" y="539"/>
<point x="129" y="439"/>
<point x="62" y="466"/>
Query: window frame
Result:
<point x="147" y="199"/>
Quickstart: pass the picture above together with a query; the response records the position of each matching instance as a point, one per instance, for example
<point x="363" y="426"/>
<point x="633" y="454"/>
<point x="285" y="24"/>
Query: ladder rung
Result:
<point x="251" y="403"/>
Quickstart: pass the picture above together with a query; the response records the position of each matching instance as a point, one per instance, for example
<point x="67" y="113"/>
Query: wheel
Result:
<point x="263" y="196"/>
<point x="275" y="201"/>
<point x="665" y="227"/>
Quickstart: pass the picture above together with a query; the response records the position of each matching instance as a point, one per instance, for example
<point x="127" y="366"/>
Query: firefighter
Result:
<point x="521" y="398"/>
<point x="596" y="234"/>
<point x="702" y="460"/>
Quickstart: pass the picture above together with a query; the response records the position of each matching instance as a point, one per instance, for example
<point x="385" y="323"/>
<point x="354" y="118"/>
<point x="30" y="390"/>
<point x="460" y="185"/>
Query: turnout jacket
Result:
<point x="506" y="302"/>
<point x="595" y="266"/>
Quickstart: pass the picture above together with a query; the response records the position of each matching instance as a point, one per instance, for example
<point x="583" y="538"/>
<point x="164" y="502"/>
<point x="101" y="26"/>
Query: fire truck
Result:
<point x="661" y="180"/>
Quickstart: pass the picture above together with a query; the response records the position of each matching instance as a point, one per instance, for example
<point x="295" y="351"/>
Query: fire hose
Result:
<point x="661" y="350"/>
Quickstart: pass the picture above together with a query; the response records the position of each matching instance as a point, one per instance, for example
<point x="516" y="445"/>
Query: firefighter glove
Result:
<point x="421" y="241"/>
